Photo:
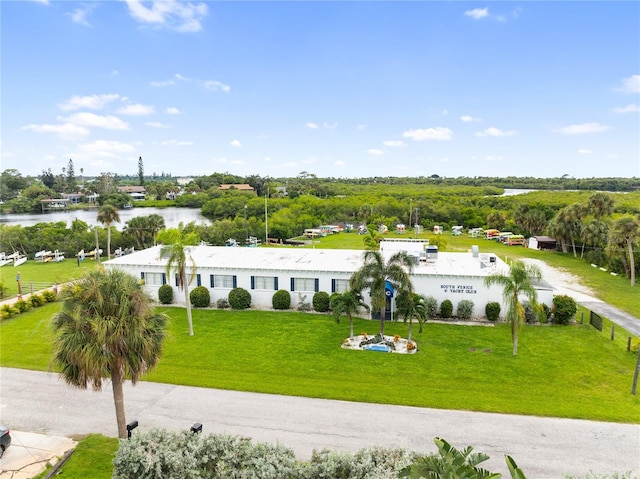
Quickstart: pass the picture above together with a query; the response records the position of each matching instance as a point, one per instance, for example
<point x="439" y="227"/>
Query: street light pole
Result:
<point x="246" y="232"/>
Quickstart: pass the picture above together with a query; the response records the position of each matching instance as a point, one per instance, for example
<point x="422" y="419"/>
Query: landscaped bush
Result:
<point x="564" y="309"/>
<point x="165" y="294"/>
<point x="431" y="307"/>
<point x="446" y="309"/>
<point x="547" y="313"/>
<point x="222" y="303"/>
<point x="7" y="311"/>
<point x="303" y="305"/>
<point x="21" y="305"/>
<point x="530" y="315"/>
<point x="492" y="310"/>
<point x="239" y="298"/>
<point x="49" y="295"/>
<point x="200" y="297"/>
<point x="36" y="300"/>
<point x="320" y="302"/>
<point x="281" y="299"/>
<point x="465" y="309"/>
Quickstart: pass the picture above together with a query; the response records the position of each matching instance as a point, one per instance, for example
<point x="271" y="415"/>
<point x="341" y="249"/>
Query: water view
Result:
<point x="172" y="216"/>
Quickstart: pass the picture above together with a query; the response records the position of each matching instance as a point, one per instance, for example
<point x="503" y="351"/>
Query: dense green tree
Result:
<point x="71" y="183"/>
<point x="626" y="230"/>
<point x="107" y="328"/>
<point x="516" y="283"/>
<point x="600" y="205"/>
<point x="11" y="183"/>
<point x="374" y="275"/>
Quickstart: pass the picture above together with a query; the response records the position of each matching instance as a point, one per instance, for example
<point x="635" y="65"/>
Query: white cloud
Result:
<point x="162" y="83"/>
<point x="93" y="102"/>
<point x="394" y="143"/>
<point x="44" y="2"/>
<point x="339" y="163"/>
<point x="237" y="162"/>
<point x="178" y="16"/>
<point x="215" y="85"/>
<point x="477" y="13"/>
<point x="66" y="130"/>
<point x="584" y="151"/>
<point x="582" y="129"/>
<point x="157" y="124"/>
<point x="375" y="152"/>
<point x="494" y="158"/>
<point x="105" y="148"/>
<point x="108" y="122"/>
<point x="236" y="144"/>
<point x="176" y="143"/>
<point x="268" y="159"/>
<point x="312" y="125"/>
<point x="437" y="133"/>
<point x="630" y="108"/>
<point x="631" y="84"/>
<point x="492" y="131"/>
<point x="180" y="77"/>
<point x="137" y="110"/>
<point x="79" y="15"/>
<point x="219" y="160"/>
<point x="115" y="73"/>
<point x="172" y="110"/>
<point x="468" y="118"/>
<point x="361" y="127"/>
<point x="330" y="125"/>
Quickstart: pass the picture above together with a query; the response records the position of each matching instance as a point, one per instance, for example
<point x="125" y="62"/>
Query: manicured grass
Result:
<point x="40" y="274"/>
<point x="572" y="371"/>
<point x="93" y="457"/>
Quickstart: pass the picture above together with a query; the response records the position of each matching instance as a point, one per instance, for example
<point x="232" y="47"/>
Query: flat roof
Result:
<point x="279" y="258"/>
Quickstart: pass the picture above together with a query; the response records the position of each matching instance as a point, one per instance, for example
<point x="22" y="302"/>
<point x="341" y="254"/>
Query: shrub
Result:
<point x="302" y="303"/>
<point x="320" y="302"/>
<point x="465" y="309"/>
<point x="431" y="307"/>
<point x="547" y="313"/>
<point x="21" y="305"/>
<point x="36" y="300"/>
<point x="200" y="297"/>
<point x="492" y="310"/>
<point x="281" y="299"/>
<point x="564" y="309"/>
<point x="7" y="311"/>
<point x="530" y="315"/>
<point x="239" y="298"/>
<point x="446" y="309"/>
<point x="165" y="294"/>
<point x="222" y="303"/>
<point x="49" y="296"/>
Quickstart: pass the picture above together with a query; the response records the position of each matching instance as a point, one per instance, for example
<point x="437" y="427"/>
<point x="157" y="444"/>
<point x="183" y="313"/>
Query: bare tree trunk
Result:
<point x="118" y="400"/>
<point x="109" y="241"/>
<point x="383" y="313"/>
<point x="350" y="326"/>
<point x="188" y="301"/>
<point x="632" y="264"/>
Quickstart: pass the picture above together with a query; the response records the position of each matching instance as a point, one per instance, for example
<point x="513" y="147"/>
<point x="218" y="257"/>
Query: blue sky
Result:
<point x="342" y="89"/>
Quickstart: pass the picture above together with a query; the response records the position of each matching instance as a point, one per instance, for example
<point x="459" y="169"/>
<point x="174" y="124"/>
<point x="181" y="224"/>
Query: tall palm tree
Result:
<point x="177" y="253"/>
<point x="107" y="328"/>
<point x="412" y="306"/>
<point x="107" y="215"/>
<point x="349" y="303"/>
<point x="156" y="223"/>
<point x="626" y="230"/>
<point x="376" y="273"/>
<point x="518" y="282"/>
<point x="600" y="204"/>
<point x="567" y="225"/>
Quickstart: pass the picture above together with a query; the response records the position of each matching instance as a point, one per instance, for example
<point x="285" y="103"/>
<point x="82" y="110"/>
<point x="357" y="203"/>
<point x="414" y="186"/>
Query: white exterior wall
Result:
<point x="432" y="278"/>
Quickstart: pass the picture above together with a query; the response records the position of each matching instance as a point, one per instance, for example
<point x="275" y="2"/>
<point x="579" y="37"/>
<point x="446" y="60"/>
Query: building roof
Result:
<point x="304" y="259"/>
<point x="243" y="187"/>
<point x="131" y="189"/>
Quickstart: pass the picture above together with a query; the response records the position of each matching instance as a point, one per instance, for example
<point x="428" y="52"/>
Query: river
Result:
<point x="172" y="216"/>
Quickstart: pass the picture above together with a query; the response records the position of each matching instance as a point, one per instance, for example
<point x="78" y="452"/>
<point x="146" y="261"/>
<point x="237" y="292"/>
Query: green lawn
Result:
<point x="572" y="371"/>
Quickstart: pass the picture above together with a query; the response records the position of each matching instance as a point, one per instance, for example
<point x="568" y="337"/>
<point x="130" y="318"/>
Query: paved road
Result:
<point x="543" y="447"/>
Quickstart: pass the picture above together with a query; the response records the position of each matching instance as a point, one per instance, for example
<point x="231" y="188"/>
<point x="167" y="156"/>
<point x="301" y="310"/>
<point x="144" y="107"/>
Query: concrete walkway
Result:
<point x="543" y="447"/>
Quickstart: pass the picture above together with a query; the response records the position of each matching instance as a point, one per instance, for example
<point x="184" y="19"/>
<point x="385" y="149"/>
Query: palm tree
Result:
<point x="156" y="223"/>
<point x="626" y="230"/>
<point x="177" y="255"/>
<point x="107" y="328"/>
<point x="375" y="274"/>
<point x="519" y="281"/>
<point x="349" y="303"/>
<point x="566" y="225"/>
<point x="600" y="204"/>
<point x="106" y="215"/>
<point x="410" y="306"/>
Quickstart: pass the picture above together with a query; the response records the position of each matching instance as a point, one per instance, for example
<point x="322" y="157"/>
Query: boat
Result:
<point x="20" y="260"/>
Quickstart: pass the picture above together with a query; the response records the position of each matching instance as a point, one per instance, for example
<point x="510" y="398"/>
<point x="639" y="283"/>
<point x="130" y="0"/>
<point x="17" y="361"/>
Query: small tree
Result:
<point x="281" y="299"/>
<point x="564" y="309"/>
<point x="349" y="303"/>
<point x="431" y="307"/>
<point x="239" y="298"/>
<point x="165" y="294"/>
<point x="200" y="297"/>
<point x="320" y="302"/>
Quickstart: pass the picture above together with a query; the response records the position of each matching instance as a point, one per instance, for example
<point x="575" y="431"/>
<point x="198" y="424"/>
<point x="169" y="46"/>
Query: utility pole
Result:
<point x="246" y="232"/>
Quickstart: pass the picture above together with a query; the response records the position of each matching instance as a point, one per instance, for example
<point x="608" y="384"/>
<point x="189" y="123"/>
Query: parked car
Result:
<point x="5" y="439"/>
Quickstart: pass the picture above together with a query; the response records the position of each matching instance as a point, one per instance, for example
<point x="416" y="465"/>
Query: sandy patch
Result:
<point x="563" y="282"/>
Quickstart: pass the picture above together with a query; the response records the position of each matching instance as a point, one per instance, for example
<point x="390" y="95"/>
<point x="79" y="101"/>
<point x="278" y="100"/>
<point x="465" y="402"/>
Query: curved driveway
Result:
<point x="543" y="447"/>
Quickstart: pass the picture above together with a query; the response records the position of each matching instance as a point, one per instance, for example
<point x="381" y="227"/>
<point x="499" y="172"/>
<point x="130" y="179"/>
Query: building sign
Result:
<point x="458" y="288"/>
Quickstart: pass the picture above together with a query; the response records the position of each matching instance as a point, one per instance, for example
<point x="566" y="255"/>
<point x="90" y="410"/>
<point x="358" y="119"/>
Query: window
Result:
<point x="305" y="284"/>
<point x="154" y="278"/>
<point x="223" y="281"/>
<point x="264" y="282"/>
<point x="339" y="285"/>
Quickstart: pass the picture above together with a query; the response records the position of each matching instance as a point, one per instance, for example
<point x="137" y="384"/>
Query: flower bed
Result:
<point x="392" y="344"/>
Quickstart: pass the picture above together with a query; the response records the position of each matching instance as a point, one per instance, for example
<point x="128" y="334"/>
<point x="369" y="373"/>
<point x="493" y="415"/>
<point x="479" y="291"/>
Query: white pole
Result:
<point x="266" y="220"/>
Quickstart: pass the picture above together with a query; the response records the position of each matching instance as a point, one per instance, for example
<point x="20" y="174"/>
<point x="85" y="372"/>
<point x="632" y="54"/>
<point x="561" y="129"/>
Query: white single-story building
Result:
<point x="303" y="272"/>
